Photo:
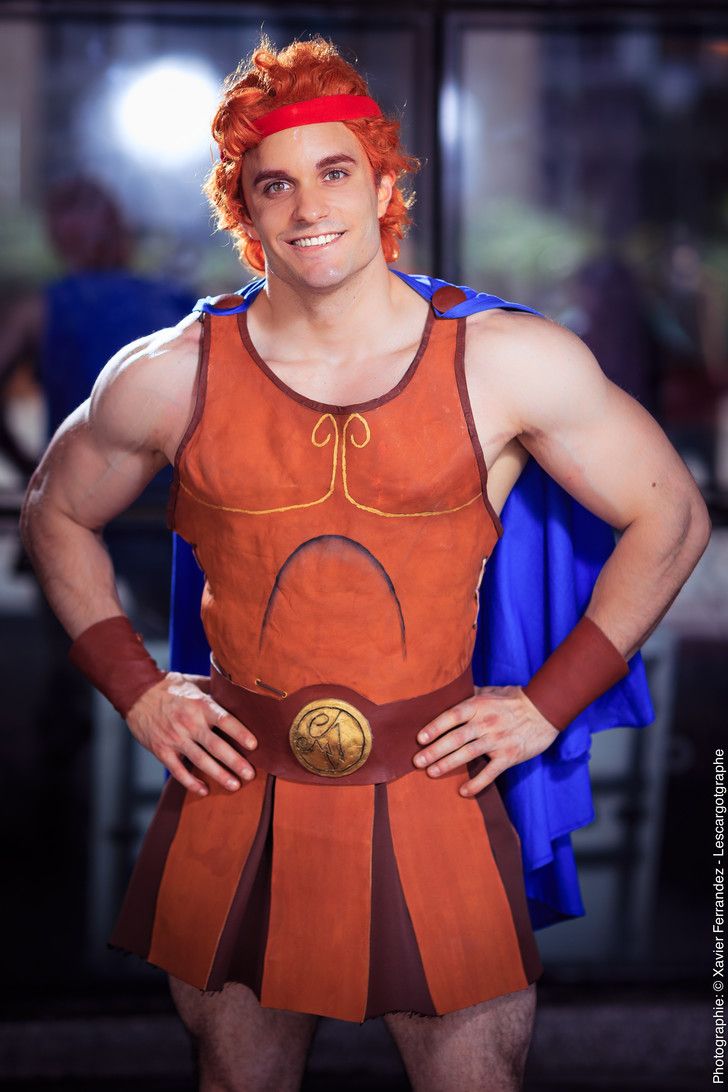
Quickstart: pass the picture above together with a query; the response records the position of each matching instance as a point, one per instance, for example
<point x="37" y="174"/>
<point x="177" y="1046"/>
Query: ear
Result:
<point x="245" y="222"/>
<point x="384" y="192"/>
<point x="247" y="225"/>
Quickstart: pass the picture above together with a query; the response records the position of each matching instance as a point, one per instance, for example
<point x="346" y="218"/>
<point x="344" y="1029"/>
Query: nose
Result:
<point x="311" y="203"/>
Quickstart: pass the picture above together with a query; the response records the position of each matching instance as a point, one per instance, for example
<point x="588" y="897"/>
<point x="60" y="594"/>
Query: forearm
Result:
<point x="72" y="565"/>
<point x="642" y="577"/>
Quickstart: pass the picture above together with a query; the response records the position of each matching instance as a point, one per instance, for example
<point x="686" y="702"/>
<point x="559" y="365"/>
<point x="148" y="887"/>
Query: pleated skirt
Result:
<point x="342" y="901"/>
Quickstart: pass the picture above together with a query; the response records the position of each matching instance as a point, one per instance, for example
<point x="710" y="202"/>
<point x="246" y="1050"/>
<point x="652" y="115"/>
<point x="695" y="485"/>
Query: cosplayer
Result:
<point x="332" y="840"/>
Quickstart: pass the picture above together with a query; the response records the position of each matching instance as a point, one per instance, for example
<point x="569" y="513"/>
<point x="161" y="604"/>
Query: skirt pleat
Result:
<point x="343" y="901"/>
<point x="317" y="950"/>
<point x="210" y="848"/>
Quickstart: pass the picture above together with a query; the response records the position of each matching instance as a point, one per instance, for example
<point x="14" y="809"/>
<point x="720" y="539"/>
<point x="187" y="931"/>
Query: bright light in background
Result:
<point x="449" y="126"/>
<point x="163" y="115"/>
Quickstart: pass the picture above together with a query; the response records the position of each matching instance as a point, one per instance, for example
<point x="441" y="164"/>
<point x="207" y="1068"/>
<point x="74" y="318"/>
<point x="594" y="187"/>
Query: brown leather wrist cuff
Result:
<point x="582" y="668"/>
<point x="112" y="656"/>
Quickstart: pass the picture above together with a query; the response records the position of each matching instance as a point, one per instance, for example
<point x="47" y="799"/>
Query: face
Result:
<point x="314" y="204"/>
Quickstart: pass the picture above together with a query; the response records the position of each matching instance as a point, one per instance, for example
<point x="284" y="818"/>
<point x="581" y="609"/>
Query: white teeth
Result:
<point x="317" y="240"/>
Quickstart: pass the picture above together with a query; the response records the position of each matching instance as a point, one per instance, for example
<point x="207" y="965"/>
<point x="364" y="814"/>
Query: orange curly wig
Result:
<point x="303" y="70"/>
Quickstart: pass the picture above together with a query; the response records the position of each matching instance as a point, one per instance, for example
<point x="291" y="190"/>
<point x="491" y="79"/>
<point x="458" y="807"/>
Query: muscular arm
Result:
<point x="544" y="390"/>
<point x="610" y="454"/>
<point x="98" y="463"/>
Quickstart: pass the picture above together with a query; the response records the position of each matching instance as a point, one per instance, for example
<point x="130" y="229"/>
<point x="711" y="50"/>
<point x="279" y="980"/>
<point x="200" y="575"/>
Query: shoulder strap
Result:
<point x="227" y="305"/>
<point x="457" y="300"/>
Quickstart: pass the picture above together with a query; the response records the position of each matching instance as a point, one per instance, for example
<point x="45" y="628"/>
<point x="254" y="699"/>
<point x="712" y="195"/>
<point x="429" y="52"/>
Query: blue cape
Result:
<point x="537" y="584"/>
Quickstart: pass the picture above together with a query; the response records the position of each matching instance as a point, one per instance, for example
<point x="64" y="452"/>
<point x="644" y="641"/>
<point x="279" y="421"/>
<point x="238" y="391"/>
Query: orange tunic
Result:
<point x="308" y="527"/>
<point x="342" y="546"/>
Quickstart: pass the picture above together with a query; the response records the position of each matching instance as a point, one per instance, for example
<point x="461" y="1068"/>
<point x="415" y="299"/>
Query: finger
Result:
<point x="229" y="724"/>
<point x="451" y="718"/>
<point x="215" y="745"/>
<point x="205" y="762"/>
<point x="451" y="741"/>
<point x="474" y="749"/>
<point x="180" y="773"/>
<point x="486" y="777"/>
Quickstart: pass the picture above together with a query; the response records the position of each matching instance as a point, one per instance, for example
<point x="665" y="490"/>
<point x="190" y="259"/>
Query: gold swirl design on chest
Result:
<point x="330" y="737"/>
<point x="318" y="439"/>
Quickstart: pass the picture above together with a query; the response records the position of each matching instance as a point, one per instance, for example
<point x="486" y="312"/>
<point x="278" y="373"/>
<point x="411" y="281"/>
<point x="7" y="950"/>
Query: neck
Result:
<point x="334" y="319"/>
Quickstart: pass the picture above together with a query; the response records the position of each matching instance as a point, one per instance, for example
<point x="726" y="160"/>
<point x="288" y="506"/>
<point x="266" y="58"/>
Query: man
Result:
<point x="332" y="841"/>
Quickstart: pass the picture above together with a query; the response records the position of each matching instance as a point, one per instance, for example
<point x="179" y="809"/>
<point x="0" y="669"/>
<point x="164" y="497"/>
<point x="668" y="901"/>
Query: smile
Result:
<point x="317" y="240"/>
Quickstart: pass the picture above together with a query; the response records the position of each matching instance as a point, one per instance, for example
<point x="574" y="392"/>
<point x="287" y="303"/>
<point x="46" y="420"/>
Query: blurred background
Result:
<point x="574" y="159"/>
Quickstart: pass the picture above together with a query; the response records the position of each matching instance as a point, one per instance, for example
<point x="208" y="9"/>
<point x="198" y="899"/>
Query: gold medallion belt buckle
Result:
<point x="330" y="737"/>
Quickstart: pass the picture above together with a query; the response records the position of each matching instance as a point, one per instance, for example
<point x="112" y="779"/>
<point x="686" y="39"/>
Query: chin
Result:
<point x="325" y="278"/>
<point x="320" y="277"/>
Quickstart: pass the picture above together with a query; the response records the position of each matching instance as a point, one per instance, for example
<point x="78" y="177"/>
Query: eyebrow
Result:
<point x="327" y="161"/>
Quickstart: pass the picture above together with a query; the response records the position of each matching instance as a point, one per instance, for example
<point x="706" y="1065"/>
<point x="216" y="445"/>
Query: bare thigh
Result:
<point x="241" y="1046"/>
<point x="482" y="1047"/>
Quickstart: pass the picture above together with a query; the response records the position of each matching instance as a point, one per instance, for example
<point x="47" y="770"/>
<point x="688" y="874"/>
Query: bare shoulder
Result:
<point x="529" y="367"/>
<point x="161" y="353"/>
<point x="145" y="394"/>
<point x="514" y="334"/>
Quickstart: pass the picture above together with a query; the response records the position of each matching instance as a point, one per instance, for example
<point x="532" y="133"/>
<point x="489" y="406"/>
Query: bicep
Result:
<point x="89" y="474"/>
<point x="594" y="439"/>
<point x="112" y="445"/>
<point x="106" y="451"/>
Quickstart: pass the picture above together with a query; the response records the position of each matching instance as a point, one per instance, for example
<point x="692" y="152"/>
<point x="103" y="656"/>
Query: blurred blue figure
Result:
<point x="70" y="330"/>
<point x="99" y="305"/>
<point x="89" y="314"/>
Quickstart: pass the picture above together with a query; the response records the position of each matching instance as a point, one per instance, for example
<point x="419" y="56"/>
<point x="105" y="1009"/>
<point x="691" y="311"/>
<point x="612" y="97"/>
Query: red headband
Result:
<point x="315" y="111"/>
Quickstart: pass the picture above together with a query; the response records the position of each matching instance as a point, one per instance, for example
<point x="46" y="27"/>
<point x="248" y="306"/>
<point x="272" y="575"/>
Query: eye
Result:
<point x="337" y="170"/>
<point x="269" y="187"/>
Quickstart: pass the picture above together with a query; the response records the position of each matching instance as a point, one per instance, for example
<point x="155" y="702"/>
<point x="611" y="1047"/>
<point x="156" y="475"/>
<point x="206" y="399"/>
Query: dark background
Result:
<point x="574" y="159"/>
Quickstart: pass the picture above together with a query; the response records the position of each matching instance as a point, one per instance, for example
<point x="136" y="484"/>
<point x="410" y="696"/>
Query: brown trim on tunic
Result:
<point x="505" y="844"/>
<point x="200" y="394"/>
<point x="470" y="421"/>
<point x="325" y="407"/>
<point x="135" y="921"/>
<point x="397" y="980"/>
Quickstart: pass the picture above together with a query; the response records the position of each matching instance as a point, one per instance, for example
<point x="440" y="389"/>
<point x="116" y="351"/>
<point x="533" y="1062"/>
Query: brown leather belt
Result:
<point x="329" y="734"/>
